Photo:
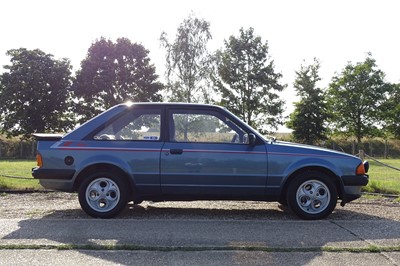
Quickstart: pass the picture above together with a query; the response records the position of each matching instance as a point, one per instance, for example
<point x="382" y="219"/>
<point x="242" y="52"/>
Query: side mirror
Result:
<point x="252" y="139"/>
<point x="249" y="139"/>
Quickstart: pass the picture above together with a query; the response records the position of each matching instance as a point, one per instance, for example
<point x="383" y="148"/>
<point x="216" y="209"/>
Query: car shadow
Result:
<point x="177" y="210"/>
<point x="270" y="228"/>
<point x="163" y="211"/>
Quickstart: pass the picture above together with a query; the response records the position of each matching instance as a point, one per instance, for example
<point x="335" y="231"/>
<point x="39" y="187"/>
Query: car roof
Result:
<point x="179" y="104"/>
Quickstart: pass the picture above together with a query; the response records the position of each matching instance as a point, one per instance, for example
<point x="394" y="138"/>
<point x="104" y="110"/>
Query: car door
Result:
<point x="207" y="154"/>
<point x="133" y="141"/>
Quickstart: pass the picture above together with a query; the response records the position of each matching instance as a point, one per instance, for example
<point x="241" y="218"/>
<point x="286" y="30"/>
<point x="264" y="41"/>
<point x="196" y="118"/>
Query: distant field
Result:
<point x="382" y="179"/>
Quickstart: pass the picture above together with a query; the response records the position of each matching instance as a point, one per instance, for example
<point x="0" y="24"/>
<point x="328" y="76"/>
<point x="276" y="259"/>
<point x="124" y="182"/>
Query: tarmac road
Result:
<point x="198" y="242"/>
<point x="218" y="258"/>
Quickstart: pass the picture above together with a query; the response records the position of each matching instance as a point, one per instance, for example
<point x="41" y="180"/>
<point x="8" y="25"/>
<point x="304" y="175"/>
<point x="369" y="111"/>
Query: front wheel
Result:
<point x="103" y="195"/>
<point x="312" y="195"/>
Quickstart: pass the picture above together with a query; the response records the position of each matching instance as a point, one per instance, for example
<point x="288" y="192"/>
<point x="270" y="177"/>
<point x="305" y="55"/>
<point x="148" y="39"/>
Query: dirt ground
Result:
<point x="66" y="205"/>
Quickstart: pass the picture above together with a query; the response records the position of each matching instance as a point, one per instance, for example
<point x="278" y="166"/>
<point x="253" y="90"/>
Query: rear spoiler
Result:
<point x="48" y="137"/>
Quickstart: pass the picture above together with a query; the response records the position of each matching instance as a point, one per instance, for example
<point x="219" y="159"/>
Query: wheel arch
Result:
<point x="336" y="179"/>
<point x="102" y="167"/>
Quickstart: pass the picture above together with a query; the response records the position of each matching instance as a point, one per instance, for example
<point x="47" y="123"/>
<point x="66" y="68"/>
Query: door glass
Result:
<point x="204" y="127"/>
<point x="138" y="124"/>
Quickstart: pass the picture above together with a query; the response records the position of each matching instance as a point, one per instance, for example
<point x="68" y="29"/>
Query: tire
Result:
<point x="283" y="202"/>
<point x="312" y="195"/>
<point x="103" y="195"/>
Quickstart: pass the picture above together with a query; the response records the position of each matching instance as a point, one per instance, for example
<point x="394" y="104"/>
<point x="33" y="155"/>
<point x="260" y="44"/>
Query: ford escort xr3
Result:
<point x="171" y="151"/>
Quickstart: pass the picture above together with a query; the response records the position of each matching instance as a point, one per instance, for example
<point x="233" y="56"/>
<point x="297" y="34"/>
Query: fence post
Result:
<point x="21" y="149"/>
<point x="386" y="149"/>
<point x="32" y="149"/>
<point x="371" y="150"/>
<point x="362" y="154"/>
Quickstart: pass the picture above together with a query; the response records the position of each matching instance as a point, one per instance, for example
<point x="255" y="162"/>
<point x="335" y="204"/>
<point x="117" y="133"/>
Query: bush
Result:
<point x="17" y="148"/>
<point x="373" y="147"/>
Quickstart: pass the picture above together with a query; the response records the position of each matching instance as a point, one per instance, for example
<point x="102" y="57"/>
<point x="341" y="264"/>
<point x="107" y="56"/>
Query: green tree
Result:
<point x="187" y="61"/>
<point x="310" y="114"/>
<point x="247" y="81"/>
<point x="356" y="98"/>
<point x="113" y="73"/>
<point x="35" y="93"/>
<point x="391" y="112"/>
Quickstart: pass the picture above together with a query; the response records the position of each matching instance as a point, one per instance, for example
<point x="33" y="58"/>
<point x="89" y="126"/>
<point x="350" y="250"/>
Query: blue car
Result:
<point x="171" y="151"/>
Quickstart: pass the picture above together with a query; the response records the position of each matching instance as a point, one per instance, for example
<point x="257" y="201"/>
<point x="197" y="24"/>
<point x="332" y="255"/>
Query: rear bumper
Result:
<point x="58" y="174"/>
<point x="55" y="179"/>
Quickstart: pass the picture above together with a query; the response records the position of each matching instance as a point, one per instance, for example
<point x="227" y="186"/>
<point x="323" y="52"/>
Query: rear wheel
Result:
<point x="103" y="195"/>
<point x="312" y="195"/>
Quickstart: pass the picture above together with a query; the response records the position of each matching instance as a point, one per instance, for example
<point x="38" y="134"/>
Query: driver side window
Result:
<point x="204" y="126"/>
<point x="139" y="124"/>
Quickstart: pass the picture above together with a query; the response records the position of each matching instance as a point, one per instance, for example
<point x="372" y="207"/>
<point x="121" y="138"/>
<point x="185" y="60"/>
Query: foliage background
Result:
<point x="115" y="66"/>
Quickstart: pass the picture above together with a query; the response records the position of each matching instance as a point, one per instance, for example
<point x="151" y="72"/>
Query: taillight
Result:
<point x="39" y="160"/>
<point x="360" y="169"/>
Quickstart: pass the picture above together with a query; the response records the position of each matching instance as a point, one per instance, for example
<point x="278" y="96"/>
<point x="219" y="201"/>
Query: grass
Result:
<point x="382" y="179"/>
<point x="18" y="168"/>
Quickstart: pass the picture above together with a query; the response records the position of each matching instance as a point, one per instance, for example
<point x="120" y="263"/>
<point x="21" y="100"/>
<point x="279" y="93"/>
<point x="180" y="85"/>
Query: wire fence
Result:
<point x="384" y="176"/>
<point x="381" y="163"/>
<point x="17" y="149"/>
<point x="15" y="177"/>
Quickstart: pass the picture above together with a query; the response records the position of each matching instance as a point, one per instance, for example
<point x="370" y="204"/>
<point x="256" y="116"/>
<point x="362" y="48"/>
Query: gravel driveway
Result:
<point x="65" y="205"/>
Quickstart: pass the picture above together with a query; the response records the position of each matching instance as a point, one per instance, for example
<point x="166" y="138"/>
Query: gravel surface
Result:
<point x="65" y="205"/>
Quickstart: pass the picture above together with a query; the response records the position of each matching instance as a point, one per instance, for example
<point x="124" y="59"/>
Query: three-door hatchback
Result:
<point x="170" y="151"/>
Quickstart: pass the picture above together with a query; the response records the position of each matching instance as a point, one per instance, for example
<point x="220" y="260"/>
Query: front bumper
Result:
<point x="352" y="187"/>
<point x="355" y="180"/>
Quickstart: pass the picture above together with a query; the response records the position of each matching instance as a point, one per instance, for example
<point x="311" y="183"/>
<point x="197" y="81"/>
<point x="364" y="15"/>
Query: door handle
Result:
<point x="176" y="151"/>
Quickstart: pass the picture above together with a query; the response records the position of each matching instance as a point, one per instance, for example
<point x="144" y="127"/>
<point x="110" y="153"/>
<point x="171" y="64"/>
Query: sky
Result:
<point x="334" y="31"/>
